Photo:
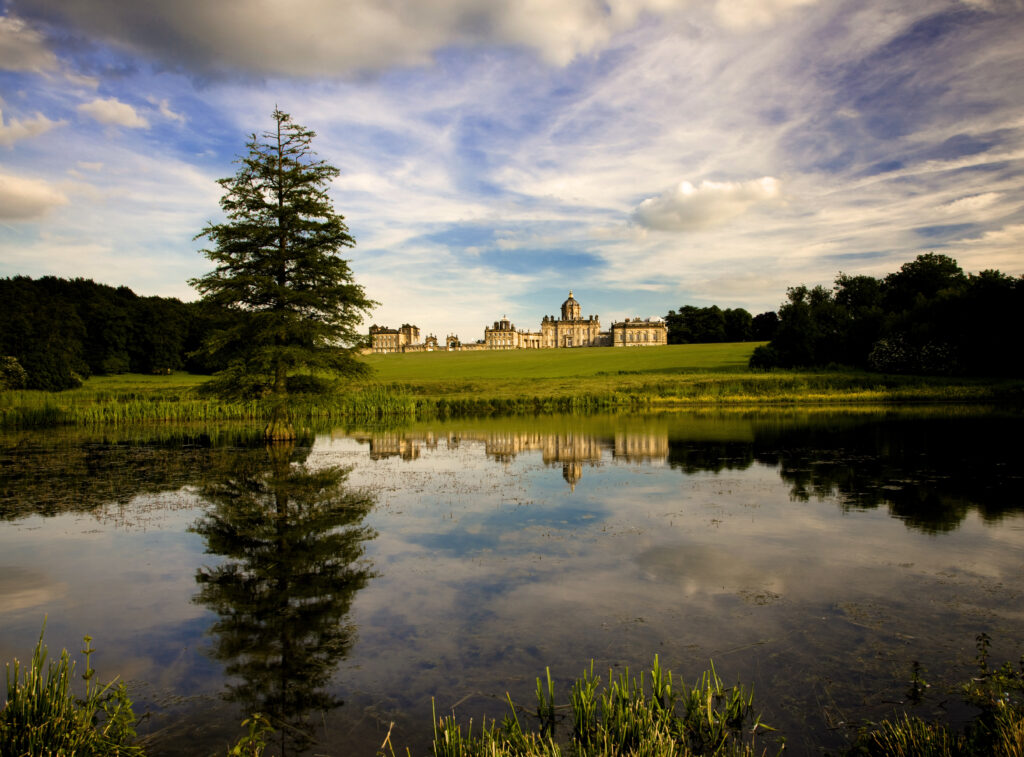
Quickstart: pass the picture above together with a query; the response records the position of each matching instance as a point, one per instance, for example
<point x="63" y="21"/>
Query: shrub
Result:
<point x="12" y="375"/>
<point x="764" y="358"/>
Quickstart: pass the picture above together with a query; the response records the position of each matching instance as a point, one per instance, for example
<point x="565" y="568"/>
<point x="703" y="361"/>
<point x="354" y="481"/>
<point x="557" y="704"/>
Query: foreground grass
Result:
<point x="431" y="385"/>
<point x="622" y="716"/>
<point x="43" y="717"/>
<point x="625" y="715"/>
<point x="655" y="715"/>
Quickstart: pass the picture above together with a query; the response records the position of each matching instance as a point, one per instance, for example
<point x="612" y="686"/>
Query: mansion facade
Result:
<point x="404" y="339"/>
<point x="571" y="330"/>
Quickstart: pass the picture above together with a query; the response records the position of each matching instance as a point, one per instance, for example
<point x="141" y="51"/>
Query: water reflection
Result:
<point x="686" y="534"/>
<point x="929" y="474"/>
<point x="568" y="451"/>
<point x="293" y="542"/>
<point x="44" y="473"/>
<point x="928" y="470"/>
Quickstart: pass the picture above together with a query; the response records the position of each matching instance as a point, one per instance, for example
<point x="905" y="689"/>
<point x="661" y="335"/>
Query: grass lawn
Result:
<point x="530" y="364"/>
<point x="426" y="385"/>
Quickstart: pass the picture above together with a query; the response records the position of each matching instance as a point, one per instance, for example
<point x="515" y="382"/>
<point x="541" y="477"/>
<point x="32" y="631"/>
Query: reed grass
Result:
<point x="623" y="715"/>
<point x="43" y="717"/>
<point x="28" y="410"/>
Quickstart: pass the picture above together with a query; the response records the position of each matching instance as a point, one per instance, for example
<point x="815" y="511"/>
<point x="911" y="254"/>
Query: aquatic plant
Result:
<point x="627" y="716"/>
<point x="254" y="742"/>
<point x="43" y="717"/>
<point x="997" y="694"/>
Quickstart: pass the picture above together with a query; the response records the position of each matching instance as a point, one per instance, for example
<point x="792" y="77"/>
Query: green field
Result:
<point x="532" y="364"/>
<point x="439" y="384"/>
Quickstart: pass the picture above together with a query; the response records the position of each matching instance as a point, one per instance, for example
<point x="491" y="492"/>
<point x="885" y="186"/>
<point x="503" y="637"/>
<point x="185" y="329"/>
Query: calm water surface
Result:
<point x="343" y="583"/>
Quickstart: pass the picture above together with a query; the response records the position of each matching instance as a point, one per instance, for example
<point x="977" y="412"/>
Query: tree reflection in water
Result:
<point x="293" y="540"/>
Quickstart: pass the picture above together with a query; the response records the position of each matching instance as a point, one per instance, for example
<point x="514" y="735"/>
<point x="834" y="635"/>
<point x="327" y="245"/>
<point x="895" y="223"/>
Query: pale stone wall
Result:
<point x="404" y="339"/>
<point x="634" y="332"/>
<point x="385" y="340"/>
<point x="572" y="329"/>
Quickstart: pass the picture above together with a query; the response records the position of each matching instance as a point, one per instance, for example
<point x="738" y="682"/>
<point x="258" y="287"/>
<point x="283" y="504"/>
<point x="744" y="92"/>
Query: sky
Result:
<point x="494" y="154"/>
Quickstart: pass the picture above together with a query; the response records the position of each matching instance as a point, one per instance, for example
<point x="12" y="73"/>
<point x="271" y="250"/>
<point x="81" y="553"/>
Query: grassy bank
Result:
<point x="429" y="385"/>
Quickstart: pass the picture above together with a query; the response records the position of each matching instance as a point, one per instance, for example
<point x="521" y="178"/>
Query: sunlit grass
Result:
<point x="655" y="715"/>
<point x="553" y="364"/>
<point x="433" y="385"/>
<point x="42" y="716"/>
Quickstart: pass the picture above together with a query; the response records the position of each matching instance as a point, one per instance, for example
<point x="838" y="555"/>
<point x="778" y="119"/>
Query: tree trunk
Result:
<point x="279" y="428"/>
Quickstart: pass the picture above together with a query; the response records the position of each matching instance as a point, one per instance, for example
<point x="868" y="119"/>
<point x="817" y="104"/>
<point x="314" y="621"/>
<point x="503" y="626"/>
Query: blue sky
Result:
<point x="647" y="154"/>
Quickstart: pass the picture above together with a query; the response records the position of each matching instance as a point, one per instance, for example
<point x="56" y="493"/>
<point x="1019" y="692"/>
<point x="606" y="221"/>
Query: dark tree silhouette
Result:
<point x="293" y="540"/>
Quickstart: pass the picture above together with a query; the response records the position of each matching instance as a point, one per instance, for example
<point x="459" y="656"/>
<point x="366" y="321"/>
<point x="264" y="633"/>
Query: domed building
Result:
<point x="572" y="329"/>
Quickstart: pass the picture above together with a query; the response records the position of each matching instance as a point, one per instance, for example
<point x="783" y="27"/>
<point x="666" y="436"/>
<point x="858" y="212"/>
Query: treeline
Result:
<point x="927" y="318"/>
<point x="60" y="331"/>
<point x="694" y="325"/>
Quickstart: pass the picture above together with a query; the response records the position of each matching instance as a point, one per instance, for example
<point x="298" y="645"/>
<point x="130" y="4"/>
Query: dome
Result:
<point x="570" y="309"/>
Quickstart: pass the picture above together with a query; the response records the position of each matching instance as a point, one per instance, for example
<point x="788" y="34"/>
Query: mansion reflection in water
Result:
<point x="570" y="450"/>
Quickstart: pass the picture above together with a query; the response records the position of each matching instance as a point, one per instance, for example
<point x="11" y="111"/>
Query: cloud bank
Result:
<point x="711" y="203"/>
<point x="23" y="48"/>
<point x="338" y="37"/>
<point x="23" y="199"/>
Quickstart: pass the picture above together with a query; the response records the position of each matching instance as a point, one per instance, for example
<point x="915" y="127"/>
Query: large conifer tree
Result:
<point x="278" y="269"/>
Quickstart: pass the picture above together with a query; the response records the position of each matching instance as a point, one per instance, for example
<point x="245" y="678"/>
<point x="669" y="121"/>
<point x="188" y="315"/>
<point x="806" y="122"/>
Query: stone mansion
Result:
<point x="571" y="330"/>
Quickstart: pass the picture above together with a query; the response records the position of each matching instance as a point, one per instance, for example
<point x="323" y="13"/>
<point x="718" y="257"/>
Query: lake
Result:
<point x="344" y="583"/>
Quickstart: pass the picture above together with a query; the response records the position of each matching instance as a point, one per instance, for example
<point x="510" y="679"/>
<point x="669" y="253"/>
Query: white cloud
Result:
<point x="972" y="204"/>
<point x="22" y="48"/>
<point x="712" y="203"/>
<point x="14" y="129"/>
<point x="164" y="107"/>
<point x="112" y="111"/>
<point x="746" y="15"/>
<point x="995" y="248"/>
<point x="22" y="199"/>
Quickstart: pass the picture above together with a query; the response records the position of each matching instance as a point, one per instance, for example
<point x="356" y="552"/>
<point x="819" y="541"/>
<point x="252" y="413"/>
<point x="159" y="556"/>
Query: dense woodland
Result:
<point x="929" y="317"/>
<point x="62" y="331"/>
<point x="694" y="325"/>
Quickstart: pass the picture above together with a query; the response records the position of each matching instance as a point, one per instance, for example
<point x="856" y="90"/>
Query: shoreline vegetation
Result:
<point x="620" y="714"/>
<point x="440" y="385"/>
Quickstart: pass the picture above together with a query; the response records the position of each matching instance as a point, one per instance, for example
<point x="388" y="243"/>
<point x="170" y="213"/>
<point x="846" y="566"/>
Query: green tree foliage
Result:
<point x="294" y="302"/>
<point x="928" y="317"/>
<point x="43" y="332"/>
<point x="764" y="326"/>
<point x="61" y="330"/>
<point x="694" y="325"/>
